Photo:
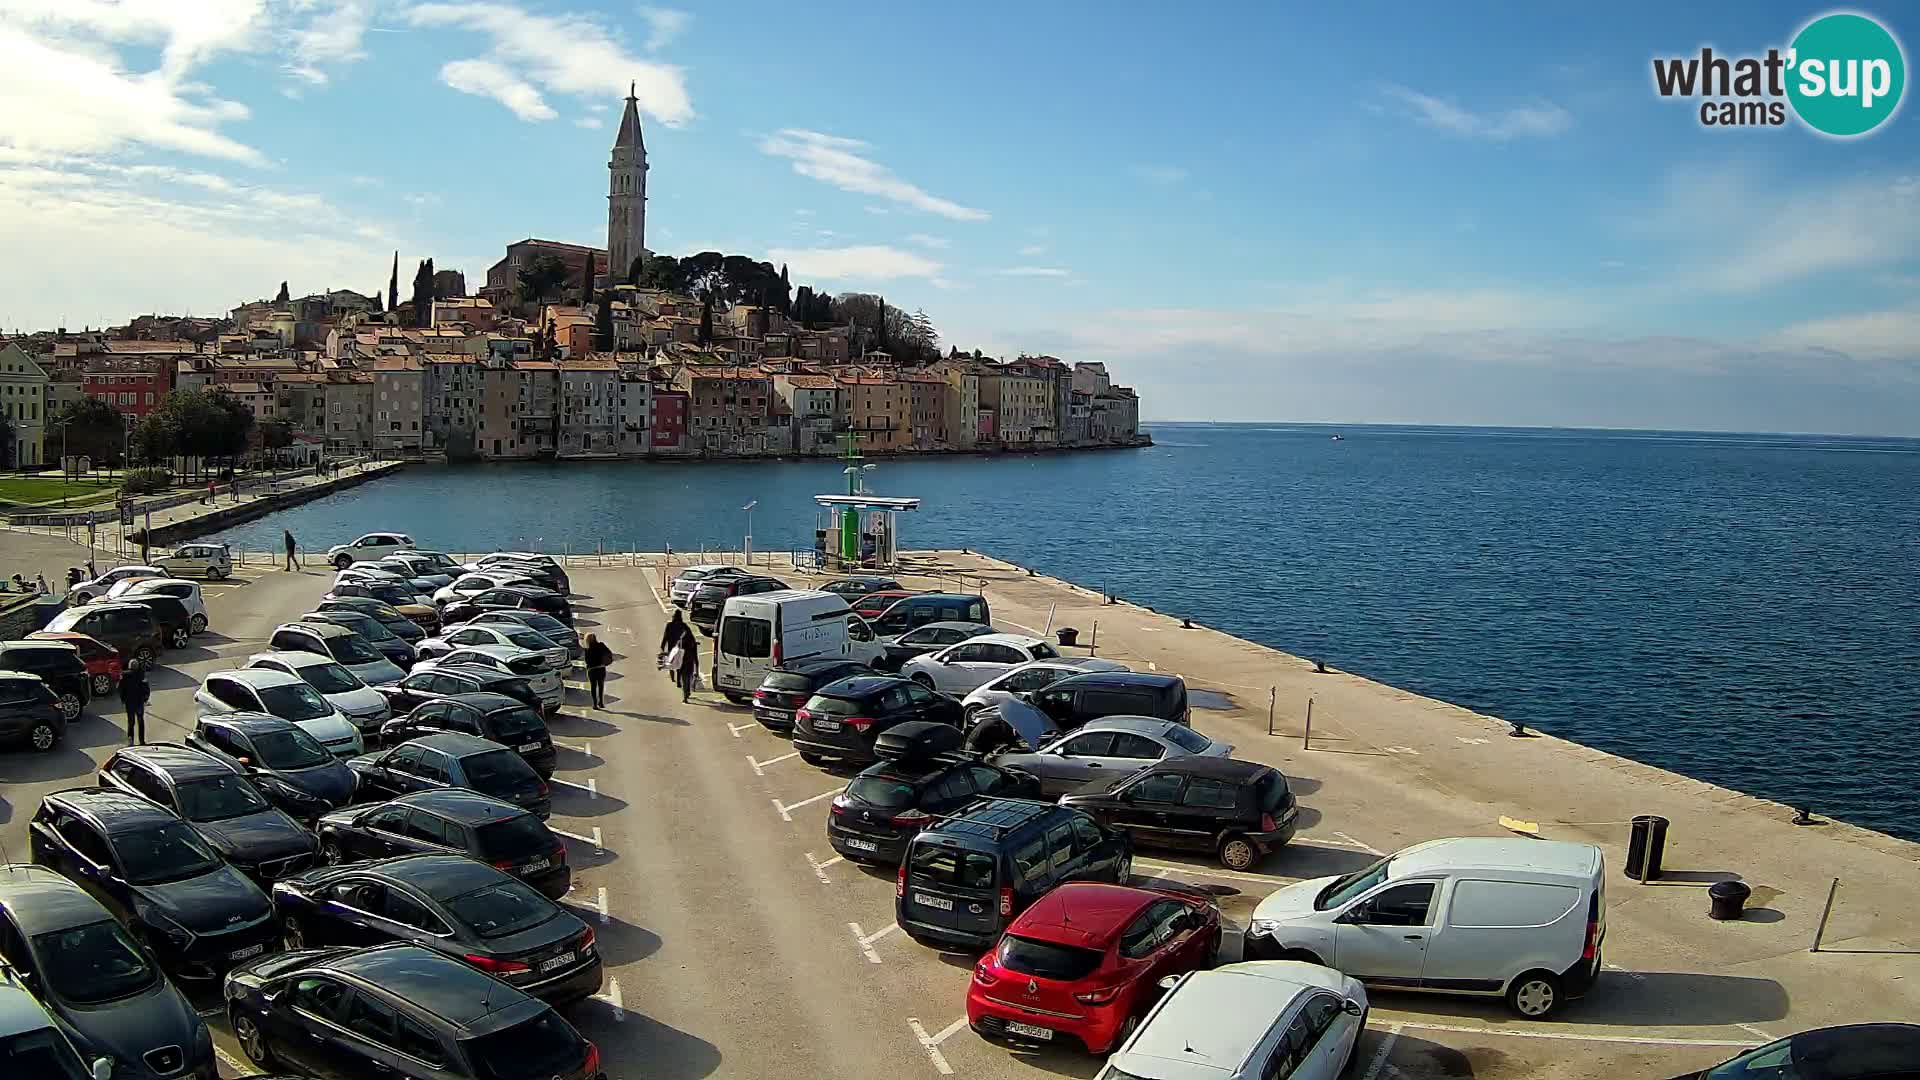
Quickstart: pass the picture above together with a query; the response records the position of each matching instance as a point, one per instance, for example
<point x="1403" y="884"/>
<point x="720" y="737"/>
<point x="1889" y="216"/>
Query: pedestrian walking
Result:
<point x="211" y="488"/>
<point x="598" y="658"/>
<point x="689" y="665"/>
<point x="134" y="694"/>
<point x="676" y="631"/>
<point x="292" y="562"/>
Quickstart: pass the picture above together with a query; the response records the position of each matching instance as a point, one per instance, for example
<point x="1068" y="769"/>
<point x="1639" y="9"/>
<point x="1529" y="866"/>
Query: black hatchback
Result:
<point x="449" y="759"/>
<point x="440" y="683"/>
<point x="289" y="766"/>
<point x="218" y="800"/>
<point x="530" y="598"/>
<point x="887" y="805"/>
<point x="451" y="820"/>
<point x="59" y="665"/>
<point x="489" y="716"/>
<point x="29" y="711"/>
<point x="1074" y="700"/>
<point x="710" y="598"/>
<point x="788" y="687"/>
<point x="1238" y="810"/>
<point x="841" y="720"/>
<point x="176" y="621"/>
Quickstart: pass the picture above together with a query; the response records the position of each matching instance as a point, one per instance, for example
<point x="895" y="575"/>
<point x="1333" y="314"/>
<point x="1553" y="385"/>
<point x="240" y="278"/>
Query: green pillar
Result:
<point x="850" y="517"/>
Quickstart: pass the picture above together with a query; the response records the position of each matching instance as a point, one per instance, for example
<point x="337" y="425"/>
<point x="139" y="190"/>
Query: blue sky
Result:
<point x="1362" y="212"/>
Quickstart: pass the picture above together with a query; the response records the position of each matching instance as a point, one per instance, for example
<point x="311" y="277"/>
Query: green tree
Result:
<point x="540" y="277"/>
<point x="786" y="292"/>
<point x="155" y="438"/>
<point x="275" y="435"/>
<point x="281" y="297"/>
<point x="6" y="442"/>
<point x="603" y="323"/>
<point x="706" y="316"/>
<point x="393" y="285"/>
<point x="586" y="281"/>
<point x="93" y="428"/>
<point x="636" y="269"/>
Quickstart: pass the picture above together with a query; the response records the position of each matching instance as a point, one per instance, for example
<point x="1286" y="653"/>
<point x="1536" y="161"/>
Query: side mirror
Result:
<point x="102" y="1068"/>
<point x="1170" y="982"/>
<point x="1354" y="916"/>
<point x="1352" y="1008"/>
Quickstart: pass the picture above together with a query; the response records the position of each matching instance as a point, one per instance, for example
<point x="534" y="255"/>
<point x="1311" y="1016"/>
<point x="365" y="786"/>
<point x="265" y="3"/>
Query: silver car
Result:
<point x="1107" y="748"/>
<point x="682" y="589"/>
<point x="542" y="677"/>
<point x="513" y="635"/>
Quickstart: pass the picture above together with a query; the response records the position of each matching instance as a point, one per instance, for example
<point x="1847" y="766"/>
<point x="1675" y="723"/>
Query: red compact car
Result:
<point x="1086" y="961"/>
<point x="872" y="604"/>
<point x="102" y="660"/>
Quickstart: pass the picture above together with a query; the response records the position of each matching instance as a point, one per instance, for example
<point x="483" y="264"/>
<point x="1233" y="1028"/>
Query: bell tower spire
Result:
<point x="627" y="193"/>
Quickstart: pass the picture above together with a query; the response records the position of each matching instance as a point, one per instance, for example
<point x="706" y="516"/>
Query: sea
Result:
<point x="1741" y="608"/>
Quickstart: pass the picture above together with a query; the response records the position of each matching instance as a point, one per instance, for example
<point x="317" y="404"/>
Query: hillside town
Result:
<point x="569" y="351"/>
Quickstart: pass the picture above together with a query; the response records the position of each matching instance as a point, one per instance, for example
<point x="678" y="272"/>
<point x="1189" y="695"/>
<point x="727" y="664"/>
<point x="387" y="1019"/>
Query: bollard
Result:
<point x="1821" y="930"/>
<point x="1728" y="899"/>
<point x="1319" y="667"/>
<point x="1306" y="740"/>
<point x="1186" y="624"/>
<point x="1094" y="643"/>
<point x="1272" y="693"/>
<point x="1804" y="816"/>
<point x="1646" y="847"/>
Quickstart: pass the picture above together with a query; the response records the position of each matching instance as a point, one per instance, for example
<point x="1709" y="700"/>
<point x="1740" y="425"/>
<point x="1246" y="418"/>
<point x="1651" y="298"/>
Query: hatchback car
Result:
<point x="373" y="665"/>
<point x="450" y="759"/>
<point x="401" y="596"/>
<point x="276" y="693"/>
<point x="506" y="635"/>
<point x="1239" y="810"/>
<point x="363" y="706"/>
<point x="393" y="647"/>
<point x="101" y="984"/>
<point x="368" y="548"/>
<point x="710" y="599"/>
<point x="197" y="915"/>
<point x="1847" y="1052"/>
<point x="288" y="765"/>
<point x="545" y="625"/>
<point x="474" y="583"/>
<point x="510" y="597"/>
<point x="1109" y="749"/>
<point x="1074" y="700"/>
<point x="443" y="820"/>
<point x="87" y="592"/>
<point x="399" y="1011"/>
<point x="130" y="628"/>
<point x="434" y="683"/>
<point x="389" y="573"/>
<point x="187" y="592"/>
<point x="1086" y="960"/>
<point x="396" y="622"/>
<point x="173" y="617"/>
<point x="788" y="687"/>
<point x="489" y="716"/>
<point x="453" y="905"/>
<point x="888" y="804"/>
<point x="690" y="578"/>
<point x="896" y="651"/>
<point x="103" y="661"/>
<point x="420" y="571"/>
<point x="841" y="720"/>
<point x="960" y="669"/>
<point x="1028" y="678"/>
<point x="542" y="670"/>
<point x="210" y="561"/>
<point x="852" y="588"/>
<point x="34" y="1044"/>
<point x="30" y="711"/>
<point x="922" y="608"/>
<point x="59" y="666"/>
<point x="546" y="573"/>
<point x="1259" y="1020"/>
<point x="219" y="801"/>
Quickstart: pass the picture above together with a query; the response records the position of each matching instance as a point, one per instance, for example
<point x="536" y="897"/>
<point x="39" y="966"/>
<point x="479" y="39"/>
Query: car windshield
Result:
<point x="515" y="726"/>
<point x="505" y="907"/>
<point x="353" y="649"/>
<point x="515" y="837"/>
<point x="1044" y="959"/>
<point x="946" y="866"/>
<point x="1773" y="1061"/>
<point x="1187" y="739"/>
<point x="92" y="963"/>
<point x="882" y="791"/>
<point x="369" y="627"/>
<point x="170" y="852"/>
<point x="218" y="798"/>
<point x="543" y="1046"/>
<point x="331" y="678"/>
<point x="291" y="749"/>
<point x="499" y="771"/>
<point x="1043" y="651"/>
<point x="294" y="701"/>
<point x="1346" y="888"/>
<point x="527" y="639"/>
<point x="545" y="624"/>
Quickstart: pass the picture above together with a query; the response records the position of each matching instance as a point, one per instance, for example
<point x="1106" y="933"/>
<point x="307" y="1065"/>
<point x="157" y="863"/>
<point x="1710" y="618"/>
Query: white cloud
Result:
<point x="833" y="160"/>
<point x="1033" y="249"/>
<point x="586" y="121"/>
<point x="1035" y="271"/>
<point x="663" y="25"/>
<point x="486" y="78"/>
<point x="1538" y="119"/>
<point x="869" y="262"/>
<point x="332" y="36"/>
<point x="927" y="241"/>
<point x="1893" y="334"/>
<point x="560" y="54"/>
<point x="188" y="33"/>
<point x="1163" y="175"/>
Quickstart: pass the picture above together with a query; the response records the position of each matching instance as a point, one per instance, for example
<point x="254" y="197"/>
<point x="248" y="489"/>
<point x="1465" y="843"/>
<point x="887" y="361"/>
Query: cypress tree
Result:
<point x="393" y="285"/>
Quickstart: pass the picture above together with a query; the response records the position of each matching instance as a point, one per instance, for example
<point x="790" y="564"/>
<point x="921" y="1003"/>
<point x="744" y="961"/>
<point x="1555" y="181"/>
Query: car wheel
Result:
<point x="253" y="1042"/>
<point x="178" y="639"/>
<point x="214" y="573"/>
<point x="198" y="625"/>
<point x="342" y="561"/>
<point x="1534" y="995"/>
<point x="330" y="852"/>
<point x="294" y="933"/>
<point x="1238" y="853"/>
<point x="145" y="655"/>
<point x="44" y="736"/>
<point x="102" y="684"/>
<point x="1126" y="870"/>
<point x="923" y="679"/>
<point x="1127" y="1027"/>
<point x="970" y="716"/>
<point x="70" y="706"/>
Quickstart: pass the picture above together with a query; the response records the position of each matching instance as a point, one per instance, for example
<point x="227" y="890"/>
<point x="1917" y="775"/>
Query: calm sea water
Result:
<point x="1744" y="609"/>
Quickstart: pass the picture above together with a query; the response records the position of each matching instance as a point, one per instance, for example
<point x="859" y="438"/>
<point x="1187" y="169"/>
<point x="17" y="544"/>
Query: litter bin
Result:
<point x="1646" y="847"/>
<point x="1068" y="635"/>
<point x="1729" y="899"/>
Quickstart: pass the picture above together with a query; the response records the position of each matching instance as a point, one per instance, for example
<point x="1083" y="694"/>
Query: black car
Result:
<point x="29" y="711"/>
<point x="788" y="687"/>
<point x="194" y="913"/>
<point x="887" y="805"/>
<point x="392" y="592"/>
<point x="289" y="766"/>
<point x="450" y="904"/>
<point x="509" y="597"/>
<point x="505" y="720"/>
<point x="1239" y="810"/>
<point x="389" y="616"/>
<point x="377" y="634"/>
<point x="449" y="759"/>
<point x="965" y="879"/>
<point x="1074" y="700"/>
<point x="218" y="800"/>
<point x="59" y="665"/>
<point x="90" y="973"/>
<point x="443" y="820"/>
<point x="399" y="1011"/>
<point x="1847" y="1052"/>
<point x="923" y="608"/>
<point x="840" y="721"/>
<point x="440" y="683"/>
<point x="921" y="640"/>
<point x="130" y="628"/>
<point x="176" y="622"/>
<point x="539" y="622"/>
<point x="852" y="588"/>
<point x="710" y="598"/>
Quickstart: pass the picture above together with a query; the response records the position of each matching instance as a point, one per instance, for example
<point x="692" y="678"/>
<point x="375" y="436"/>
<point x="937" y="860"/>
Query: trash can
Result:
<point x="1646" y="846"/>
<point x="1729" y="899"/>
<point x="1068" y="635"/>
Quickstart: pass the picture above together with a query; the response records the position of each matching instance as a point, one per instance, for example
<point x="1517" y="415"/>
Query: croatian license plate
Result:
<point x="251" y="950"/>
<point x="933" y="901"/>
<point x="537" y="864"/>
<point x="868" y="845"/>
<point x="560" y="961"/>
<point x="825" y="725"/>
<point x="529" y="747"/>
<point x="1014" y="1027"/>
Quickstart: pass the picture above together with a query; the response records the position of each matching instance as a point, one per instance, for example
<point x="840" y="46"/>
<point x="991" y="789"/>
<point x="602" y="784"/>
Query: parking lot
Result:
<point x="737" y="944"/>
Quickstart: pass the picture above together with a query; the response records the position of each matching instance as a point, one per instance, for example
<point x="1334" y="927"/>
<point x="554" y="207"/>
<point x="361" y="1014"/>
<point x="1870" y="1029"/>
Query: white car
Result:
<point x="543" y="678"/>
<point x="364" y="706"/>
<point x="210" y="561"/>
<point x="368" y="548"/>
<point x="412" y="566"/>
<point x="288" y="697"/>
<point x="961" y="669"/>
<point x="1027" y="678"/>
<point x="1260" y="1020"/>
<point x="510" y="635"/>
<point x="88" y="591"/>
<point x="187" y="592"/>
<point x="693" y="577"/>
<point x="472" y="584"/>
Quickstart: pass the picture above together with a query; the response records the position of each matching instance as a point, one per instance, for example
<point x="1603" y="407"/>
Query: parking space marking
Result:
<point x="865" y="940"/>
<point x="240" y="1068"/>
<point x="786" y="810"/>
<point x="820" y="868"/>
<point x="736" y="729"/>
<point x="1380" y="1054"/>
<point x="208" y="1014"/>
<point x="591" y="787"/>
<point x="656" y="595"/>
<point x="1567" y="1036"/>
<point x="760" y="767"/>
<point x="1351" y="842"/>
<point x="613" y="999"/>
<point x="1176" y="868"/>
<point x="584" y="748"/>
<point x="598" y="848"/>
<point x="1761" y="1033"/>
<point x="932" y="1045"/>
<point x="600" y="903"/>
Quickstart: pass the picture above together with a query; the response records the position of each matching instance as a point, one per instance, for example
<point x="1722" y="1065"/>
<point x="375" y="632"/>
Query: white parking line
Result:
<point x="1175" y="868"/>
<point x="736" y="729"/>
<point x="208" y="1014"/>
<point x="664" y="610"/>
<point x="584" y="748"/>
<point x="760" y="767"/>
<point x="591" y="787"/>
<point x="1351" y="842"/>
<point x="864" y="941"/>
<point x="1017" y="626"/>
<point x="1756" y="1031"/>
<point x="1380" y="1054"/>
<point x="600" y="903"/>
<point x="931" y="1045"/>
<point x="820" y="868"/>
<point x="1567" y="1036"/>
<point x="240" y="1068"/>
<point x="786" y="811"/>
<point x="612" y="998"/>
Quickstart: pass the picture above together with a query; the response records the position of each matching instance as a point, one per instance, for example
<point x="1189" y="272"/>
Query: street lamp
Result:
<point x="864" y="470"/>
<point x="747" y="547"/>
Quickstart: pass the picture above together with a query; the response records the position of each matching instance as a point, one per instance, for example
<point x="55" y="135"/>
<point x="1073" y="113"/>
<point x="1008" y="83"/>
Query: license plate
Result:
<point x="826" y="725"/>
<point x="529" y="747"/>
<point x="933" y="901"/>
<point x="251" y="950"/>
<point x="535" y="865"/>
<point x="868" y="845"/>
<point x="560" y="961"/>
<point x="1014" y="1027"/>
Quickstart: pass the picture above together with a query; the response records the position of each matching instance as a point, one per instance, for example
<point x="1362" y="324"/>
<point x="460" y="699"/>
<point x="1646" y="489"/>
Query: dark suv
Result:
<point x="440" y="683"/>
<point x="29" y="711"/>
<point x="788" y="687"/>
<point x="840" y="721"/>
<point x="59" y="665"/>
<point x="290" y="767"/>
<point x="923" y="608"/>
<point x="451" y="820"/>
<point x="1239" y="810"/>
<point x="131" y="628"/>
<point x="1079" y="698"/>
<point x="530" y="598"/>
<point x="704" y="607"/>
<point x="176" y="621"/>
<point x="964" y="880"/>
<point x="218" y="800"/>
<point x="505" y="720"/>
<point x="887" y="805"/>
<point x="447" y="759"/>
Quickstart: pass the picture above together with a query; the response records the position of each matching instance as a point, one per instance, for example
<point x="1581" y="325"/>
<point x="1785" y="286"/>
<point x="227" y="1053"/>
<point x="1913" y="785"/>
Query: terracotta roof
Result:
<point x="533" y="365"/>
<point x="588" y="363"/>
<point x="245" y="388"/>
<point x="922" y="377"/>
<point x="396" y="363"/>
<point x="811" y="382"/>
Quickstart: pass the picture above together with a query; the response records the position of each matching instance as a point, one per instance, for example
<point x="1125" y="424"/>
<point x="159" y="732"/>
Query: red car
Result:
<point x="1086" y="961"/>
<point x="102" y="660"/>
<point x="871" y="605"/>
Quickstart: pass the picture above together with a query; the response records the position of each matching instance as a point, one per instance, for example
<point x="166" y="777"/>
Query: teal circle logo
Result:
<point x="1846" y="74"/>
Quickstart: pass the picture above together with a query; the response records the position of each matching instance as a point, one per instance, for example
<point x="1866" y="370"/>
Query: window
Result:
<point x="1060" y="845"/>
<point x="1128" y="745"/>
<point x="1159" y="787"/>
<point x="392" y="819"/>
<point x="1401" y="905"/>
<point x="319" y="997"/>
<point x="1088" y="744"/>
<point x="1116" y="703"/>
<point x="986" y="781"/>
<point x="82" y="838"/>
<point x="1087" y="835"/>
<point x="406" y="759"/>
<point x="951" y="791"/>
<point x="407" y="911"/>
<point x="1000" y="654"/>
<point x="1210" y="794"/>
<point x="371" y="1018"/>
<point x="423" y="826"/>
<point x="144" y="782"/>
<point x="433" y="766"/>
<point x="1320" y="1011"/>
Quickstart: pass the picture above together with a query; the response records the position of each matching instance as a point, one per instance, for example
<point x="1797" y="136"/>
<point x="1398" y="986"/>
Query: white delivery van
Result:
<point x="1522" y="919"/>
<point x="764" y="630"/>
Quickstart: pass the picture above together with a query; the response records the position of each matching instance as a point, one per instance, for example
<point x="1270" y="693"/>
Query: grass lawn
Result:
<point x="28" y="489"/>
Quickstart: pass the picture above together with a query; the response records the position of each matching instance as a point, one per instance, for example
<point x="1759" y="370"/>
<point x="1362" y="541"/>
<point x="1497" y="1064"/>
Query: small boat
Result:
<point x="1339" y="438"/>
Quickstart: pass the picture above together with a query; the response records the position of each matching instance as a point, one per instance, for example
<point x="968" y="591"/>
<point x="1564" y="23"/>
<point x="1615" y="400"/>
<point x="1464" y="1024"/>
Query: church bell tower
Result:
<point x="626" y="194"/>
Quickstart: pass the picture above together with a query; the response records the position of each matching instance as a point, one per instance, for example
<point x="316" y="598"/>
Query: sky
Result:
<point x="1367" y="212"/>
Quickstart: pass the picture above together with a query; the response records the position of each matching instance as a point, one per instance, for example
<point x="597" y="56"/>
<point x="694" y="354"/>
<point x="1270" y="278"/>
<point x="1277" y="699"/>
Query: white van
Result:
<point x="1522" y="919"/>
<point x="764" y="630"/>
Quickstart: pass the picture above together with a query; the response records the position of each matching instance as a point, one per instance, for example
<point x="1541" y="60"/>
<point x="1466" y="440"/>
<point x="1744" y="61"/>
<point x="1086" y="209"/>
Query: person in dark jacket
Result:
<point x="134" y="694"/>
<point x="689" y="665"/>
<point x="292" y="562"/>
<point x="598" y="658"/>
<point x="676" y="631"/>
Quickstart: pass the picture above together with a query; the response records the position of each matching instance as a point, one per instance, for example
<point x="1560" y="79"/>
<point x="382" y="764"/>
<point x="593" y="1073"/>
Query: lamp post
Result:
<point x="747" y="547"/>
